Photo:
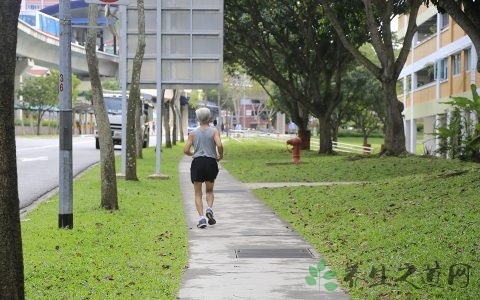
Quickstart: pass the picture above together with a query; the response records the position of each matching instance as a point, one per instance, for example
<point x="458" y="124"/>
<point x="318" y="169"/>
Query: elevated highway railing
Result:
<point x="43" y="48"/>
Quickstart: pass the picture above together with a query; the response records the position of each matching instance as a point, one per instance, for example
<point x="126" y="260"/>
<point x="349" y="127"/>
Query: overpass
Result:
<point x="42" y="49"/>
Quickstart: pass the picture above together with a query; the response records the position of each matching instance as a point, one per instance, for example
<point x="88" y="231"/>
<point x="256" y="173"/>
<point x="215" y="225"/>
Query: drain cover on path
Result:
<point x="274" y="253"/>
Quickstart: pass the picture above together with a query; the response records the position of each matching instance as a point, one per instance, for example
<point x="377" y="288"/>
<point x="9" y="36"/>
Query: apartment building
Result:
<point x="441" y="64"/>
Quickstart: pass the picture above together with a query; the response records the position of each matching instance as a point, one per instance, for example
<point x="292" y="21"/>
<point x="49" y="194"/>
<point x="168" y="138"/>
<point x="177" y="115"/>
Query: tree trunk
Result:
<point x="109" y="197"/>
<point x="335" y="127"/>
<point x="131" y="134"/>
<point x="22" y="121"/>
<point x="299" y="115"/>
<point x="304" y="135"/>
<point x="11" y="255"/>
<point x="140" y="129"/>
<point x="394" y="129"/>
<point x="175" y="98"/>
<point x="134" y="98"/>
<point x="38" y="125"/>
<point x="179" y="114"/>
<point x="79" y="123"/>
<point x="31" y="122"/>
<point x="159" y="122"/>
<point x="166" y="124"/>
<point x="325" y="135"/>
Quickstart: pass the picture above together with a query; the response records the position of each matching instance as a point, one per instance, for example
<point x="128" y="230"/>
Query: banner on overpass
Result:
<point x="118" y="2"/>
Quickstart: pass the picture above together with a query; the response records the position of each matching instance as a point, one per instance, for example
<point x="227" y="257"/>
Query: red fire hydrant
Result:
<point x="295" y="142"/>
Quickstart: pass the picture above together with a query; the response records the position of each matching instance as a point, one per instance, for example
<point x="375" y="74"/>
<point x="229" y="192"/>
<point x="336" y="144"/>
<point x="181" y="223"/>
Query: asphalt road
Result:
<point x="38" y="164"/>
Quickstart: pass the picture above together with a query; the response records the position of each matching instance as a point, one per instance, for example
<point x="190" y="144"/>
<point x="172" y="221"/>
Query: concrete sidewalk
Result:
<point x="249" y="254"/>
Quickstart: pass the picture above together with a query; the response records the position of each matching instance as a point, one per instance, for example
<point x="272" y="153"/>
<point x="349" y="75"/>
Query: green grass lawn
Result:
<point x="410" y="230"/>
<point x="415" y="212"/>
<point x="137" y="252"/>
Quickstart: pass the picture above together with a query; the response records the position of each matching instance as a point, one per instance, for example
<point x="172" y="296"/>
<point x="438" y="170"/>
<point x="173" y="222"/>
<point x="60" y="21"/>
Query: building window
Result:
<point x="425" y="75"/>
<point x="456" y="64"/>
<point x="401" y="86"/>
<point x="444" y="19"/>
<point x="442" y="69"/>
<point x="468" y="59"/>
<point x="427" y="29"/>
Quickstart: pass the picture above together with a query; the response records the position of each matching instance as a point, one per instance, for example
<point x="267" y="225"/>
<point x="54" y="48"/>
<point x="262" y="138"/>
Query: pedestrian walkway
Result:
<point x="250" y="253"/>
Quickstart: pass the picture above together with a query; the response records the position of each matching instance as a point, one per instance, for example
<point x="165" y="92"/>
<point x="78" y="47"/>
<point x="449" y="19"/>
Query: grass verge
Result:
<point x="410" y="230"/>
<point x="137" y="252"/>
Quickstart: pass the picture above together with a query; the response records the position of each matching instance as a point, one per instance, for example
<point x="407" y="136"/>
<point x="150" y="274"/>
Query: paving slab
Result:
<point x="251" y="253"/>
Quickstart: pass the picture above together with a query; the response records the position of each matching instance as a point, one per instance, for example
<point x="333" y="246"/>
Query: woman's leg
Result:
<point x="198" y="197"/>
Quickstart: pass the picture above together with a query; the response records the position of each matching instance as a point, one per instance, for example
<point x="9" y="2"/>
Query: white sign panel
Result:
<point x="118" y="2"/>
<point x="186" y="36"/>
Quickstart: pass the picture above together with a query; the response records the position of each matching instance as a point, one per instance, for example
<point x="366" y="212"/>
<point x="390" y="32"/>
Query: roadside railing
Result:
<point x="236" y="134"/>
<point x="336" y="146"/>
<point x="344" y="147"/>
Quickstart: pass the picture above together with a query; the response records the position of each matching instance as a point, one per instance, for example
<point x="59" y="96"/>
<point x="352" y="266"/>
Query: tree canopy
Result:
<point x="43" y="91"/>
<point x="293" y="45"/>
<point x="377" y="16"/>
<point x="41" y="94"/>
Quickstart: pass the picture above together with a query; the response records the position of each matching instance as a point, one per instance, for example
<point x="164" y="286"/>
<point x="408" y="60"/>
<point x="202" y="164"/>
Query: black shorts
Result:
<point x="203" y="169"/>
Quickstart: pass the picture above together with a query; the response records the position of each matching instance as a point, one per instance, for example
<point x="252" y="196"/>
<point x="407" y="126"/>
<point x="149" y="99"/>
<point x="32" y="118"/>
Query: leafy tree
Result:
<point x="368" y="120"/>
<point x="227" y="97"/>
<point x="109" y="85"/>
<point x="240" y="83"/>
<point x="109" y="196"/>
<point x="377" y="17"/>
<point x="295" y="111"/>
<point x="11" y="253"/>
<point x="291" y="44"/>
<point x="112" y="85"/>
<point x="461" y="137"/>
<point x="364" y="104"/>
<point x="269" y="109"/>
<point x="196" y="97"/>
<point x="40" y="94"/>
<point x="465" y="13"/>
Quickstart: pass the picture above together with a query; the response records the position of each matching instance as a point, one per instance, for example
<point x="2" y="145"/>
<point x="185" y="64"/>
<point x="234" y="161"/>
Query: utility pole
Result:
<point x="65" y="208"/>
